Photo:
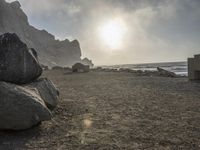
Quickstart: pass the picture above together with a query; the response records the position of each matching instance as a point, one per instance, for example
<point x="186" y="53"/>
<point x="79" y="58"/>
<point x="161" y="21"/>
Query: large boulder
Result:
<point x="18" y="63"/>
<point x="47" y="91"/>
<point x="79" y="67"/>
<point x="21" y="108"/>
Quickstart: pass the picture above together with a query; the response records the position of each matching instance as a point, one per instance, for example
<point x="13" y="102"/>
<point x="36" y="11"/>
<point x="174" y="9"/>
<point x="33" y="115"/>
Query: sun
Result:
<point x="112" y="33"/>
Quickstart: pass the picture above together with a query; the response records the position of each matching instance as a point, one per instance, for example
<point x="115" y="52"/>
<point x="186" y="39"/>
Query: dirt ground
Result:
<point x="111" y="111"/>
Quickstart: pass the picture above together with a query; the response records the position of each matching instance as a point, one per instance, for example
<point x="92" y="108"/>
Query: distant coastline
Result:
<point x="180" y="68"/>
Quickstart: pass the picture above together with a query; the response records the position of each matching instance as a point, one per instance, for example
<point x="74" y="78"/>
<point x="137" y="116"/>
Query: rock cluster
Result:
<point x="25" y="100"/>
<point x="160" y="72"/>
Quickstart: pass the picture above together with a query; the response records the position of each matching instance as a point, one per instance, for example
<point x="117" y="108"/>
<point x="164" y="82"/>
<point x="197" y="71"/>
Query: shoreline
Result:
<point x="159" y="72"/>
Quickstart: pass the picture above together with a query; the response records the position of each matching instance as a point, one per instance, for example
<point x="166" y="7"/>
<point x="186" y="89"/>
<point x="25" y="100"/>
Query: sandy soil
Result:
<point x="109" y="111"/>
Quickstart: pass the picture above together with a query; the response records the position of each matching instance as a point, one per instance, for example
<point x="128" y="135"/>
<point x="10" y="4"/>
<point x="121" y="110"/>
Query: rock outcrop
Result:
<point x="21" y="108"/>
<point x="51" y="52"/>
<point x="18" y="64"/>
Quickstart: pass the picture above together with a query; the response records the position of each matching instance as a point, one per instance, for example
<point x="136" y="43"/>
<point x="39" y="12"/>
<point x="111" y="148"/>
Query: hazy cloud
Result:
<point x="158" y="30"/>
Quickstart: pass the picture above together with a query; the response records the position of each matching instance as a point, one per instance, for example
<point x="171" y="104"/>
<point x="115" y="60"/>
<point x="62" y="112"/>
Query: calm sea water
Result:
<point x="179" y="68"/>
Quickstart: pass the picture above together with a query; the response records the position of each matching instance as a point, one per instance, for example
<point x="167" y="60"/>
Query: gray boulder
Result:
<point x="21" y="108"/>
<point x="47" y="91"/>
<point x="79" y="67"/>
<point x="18" y="64"/>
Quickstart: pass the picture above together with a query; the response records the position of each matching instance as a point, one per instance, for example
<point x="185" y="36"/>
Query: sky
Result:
<point x="122" y="31"/>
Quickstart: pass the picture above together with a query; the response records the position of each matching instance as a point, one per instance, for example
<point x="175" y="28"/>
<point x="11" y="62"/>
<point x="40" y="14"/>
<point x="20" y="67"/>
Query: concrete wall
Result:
<point x="194" y="68"/>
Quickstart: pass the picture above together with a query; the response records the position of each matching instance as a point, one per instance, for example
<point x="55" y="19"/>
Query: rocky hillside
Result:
<point x="51" y="52"/>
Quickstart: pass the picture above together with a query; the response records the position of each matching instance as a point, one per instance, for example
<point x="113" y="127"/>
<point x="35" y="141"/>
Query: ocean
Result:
<point x="180" y="68"/>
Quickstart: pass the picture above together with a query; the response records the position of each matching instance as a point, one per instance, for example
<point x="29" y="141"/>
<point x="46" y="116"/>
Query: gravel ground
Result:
<point x="110" y="111"/>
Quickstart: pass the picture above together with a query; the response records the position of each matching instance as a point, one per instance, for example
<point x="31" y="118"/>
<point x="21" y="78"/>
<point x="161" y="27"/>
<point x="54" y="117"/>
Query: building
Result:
<point x="88" y="62"/>
<point x="194" y="68"/>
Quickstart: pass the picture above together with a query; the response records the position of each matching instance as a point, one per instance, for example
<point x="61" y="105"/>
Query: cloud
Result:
<point x="158" y="30"/>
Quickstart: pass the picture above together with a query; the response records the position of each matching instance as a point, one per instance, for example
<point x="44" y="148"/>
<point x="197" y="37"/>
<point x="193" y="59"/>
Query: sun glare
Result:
<point x="112" y="33"/>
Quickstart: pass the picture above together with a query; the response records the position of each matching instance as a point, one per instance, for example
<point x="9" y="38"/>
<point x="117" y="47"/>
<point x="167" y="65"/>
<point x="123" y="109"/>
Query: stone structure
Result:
<point x="194" y="68"/>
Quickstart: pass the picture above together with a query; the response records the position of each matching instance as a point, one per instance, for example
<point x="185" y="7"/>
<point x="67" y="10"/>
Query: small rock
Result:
<point x="165" y="73"/>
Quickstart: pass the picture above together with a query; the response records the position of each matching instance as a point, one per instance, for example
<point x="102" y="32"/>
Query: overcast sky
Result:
<point x="153" y="30"/>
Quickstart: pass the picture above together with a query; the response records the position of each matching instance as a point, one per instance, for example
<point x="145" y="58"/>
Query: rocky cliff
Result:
<point x="51" y="52"/>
